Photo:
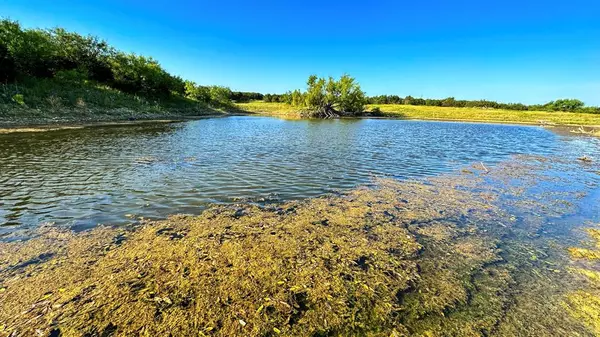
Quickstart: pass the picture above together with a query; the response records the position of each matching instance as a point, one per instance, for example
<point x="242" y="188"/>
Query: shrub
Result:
<point x="19" y="99"/>
<point x="376" y="111"/>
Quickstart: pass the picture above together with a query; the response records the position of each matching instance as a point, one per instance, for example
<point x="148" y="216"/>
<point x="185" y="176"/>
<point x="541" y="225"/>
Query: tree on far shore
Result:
<point x="328" y="98"/>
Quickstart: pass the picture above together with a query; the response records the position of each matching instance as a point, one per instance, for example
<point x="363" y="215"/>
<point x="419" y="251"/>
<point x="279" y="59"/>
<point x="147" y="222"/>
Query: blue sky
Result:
<point x="527" y="51"/>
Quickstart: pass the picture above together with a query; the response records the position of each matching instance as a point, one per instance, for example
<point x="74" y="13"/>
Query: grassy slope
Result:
<point x="462" y="114"/>
<point x="52" y="101"/>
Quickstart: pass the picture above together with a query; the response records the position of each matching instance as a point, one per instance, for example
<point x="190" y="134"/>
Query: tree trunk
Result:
<point x="330" y="112"/>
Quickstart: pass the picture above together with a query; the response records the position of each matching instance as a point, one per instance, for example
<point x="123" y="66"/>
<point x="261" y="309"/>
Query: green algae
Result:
<point x="584" y="304"/>
<point x="424" y="258"/>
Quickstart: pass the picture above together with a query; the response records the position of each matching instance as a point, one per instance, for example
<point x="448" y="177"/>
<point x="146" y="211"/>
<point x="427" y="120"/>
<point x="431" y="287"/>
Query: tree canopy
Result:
<point x="67" y="56"/>
<point x="327" y="98"/>
<point x="569" y="105"/>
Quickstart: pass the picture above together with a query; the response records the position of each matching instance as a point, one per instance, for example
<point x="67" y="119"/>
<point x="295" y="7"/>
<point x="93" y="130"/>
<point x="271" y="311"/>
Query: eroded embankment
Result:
<point x="441" y="257"/>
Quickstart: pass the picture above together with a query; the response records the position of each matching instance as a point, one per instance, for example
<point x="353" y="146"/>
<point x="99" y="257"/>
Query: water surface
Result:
<point x="105" y="175"/>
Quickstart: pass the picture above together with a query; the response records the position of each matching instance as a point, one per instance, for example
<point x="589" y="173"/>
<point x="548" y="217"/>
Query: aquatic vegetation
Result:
<point x="584" y="304"/>
<point x="439" y="257"/>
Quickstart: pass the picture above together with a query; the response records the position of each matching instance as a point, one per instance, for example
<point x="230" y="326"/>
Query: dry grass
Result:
<point x="259" y="107"/>
<point x="490" y="115"/>
<point x="454" y="114"/>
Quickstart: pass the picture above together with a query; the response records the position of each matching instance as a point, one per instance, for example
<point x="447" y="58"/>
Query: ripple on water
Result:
<point x="100" y="175"/>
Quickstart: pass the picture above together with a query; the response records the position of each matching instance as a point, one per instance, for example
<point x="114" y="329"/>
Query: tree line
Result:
<point x="57" y="53"/>
<point x="69" y="57"/>
<point x="568" y="105"/>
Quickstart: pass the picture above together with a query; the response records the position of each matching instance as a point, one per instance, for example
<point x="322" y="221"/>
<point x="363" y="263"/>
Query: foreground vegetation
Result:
<point x="443" y="113"/>
<point x="584" y="304"/>
<point x="435" y="258"/>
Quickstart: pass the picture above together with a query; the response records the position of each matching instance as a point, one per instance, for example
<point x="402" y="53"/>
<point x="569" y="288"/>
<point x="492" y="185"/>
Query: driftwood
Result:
<point x="328" y="112"/>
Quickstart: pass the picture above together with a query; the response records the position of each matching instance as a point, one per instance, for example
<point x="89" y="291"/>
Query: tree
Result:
<point x="87" y="53"/>
<point x="331" y="98"/>
<point x="7" y="65"/>
<point x="139" y="74"/>
<point x="32" y="50"/>
<point x="196" y="92"/>
<point x="565" y="105"/>
<point x="220" y="95"/>
<point x="297" y="98"/>
<point x="449" y="102"/>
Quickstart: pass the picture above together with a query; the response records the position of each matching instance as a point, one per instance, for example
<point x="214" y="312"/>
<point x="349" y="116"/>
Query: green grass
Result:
<point x="442" y="113"/>
<point x="42" y="101"/>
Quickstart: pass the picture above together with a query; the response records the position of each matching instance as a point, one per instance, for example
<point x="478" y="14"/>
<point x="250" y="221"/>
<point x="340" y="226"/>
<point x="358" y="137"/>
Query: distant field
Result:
<point x="268" y="108"/>
<point x="441" y="113"/>
<point x="489" y="115"/>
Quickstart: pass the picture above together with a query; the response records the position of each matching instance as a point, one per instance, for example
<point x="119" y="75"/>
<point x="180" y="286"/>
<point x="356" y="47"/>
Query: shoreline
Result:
<point x="48" y="125"/>
<point x="9" y="125"/>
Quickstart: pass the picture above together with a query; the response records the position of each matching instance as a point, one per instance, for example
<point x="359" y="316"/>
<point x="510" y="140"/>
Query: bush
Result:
<point x="19" y="99"/>
<point x="329" y="98"/>
<point x="376" y="111"/>
<point x="7" y="65"/>
<point x="72" y="58"/>
<point x="75" y="75"/>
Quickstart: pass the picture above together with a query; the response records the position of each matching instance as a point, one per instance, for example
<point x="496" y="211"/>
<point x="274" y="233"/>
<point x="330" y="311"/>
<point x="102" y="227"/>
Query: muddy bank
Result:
<point x="53" y="124"/>
<point x="458" y="255"/>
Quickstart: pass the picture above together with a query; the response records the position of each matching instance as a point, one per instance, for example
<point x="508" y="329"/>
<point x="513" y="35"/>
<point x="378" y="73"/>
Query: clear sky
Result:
<point x="528" y="51"/>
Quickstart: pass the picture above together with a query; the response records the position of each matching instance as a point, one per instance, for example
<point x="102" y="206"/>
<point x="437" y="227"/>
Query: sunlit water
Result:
<point x="104" y="175"/>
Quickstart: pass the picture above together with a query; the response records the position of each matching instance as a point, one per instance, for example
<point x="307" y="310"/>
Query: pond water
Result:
<point x="107" y="174"/>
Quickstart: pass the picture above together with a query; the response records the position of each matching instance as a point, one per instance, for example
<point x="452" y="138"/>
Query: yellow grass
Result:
<point x="489" y="115"/>
<point x="441" y="113"/>
<point x="280" y="109"/>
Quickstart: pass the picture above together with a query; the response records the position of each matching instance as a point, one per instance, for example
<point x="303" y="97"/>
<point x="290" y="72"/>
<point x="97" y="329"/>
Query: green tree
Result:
<point x="8" y="71"/>
<point x="196" y="92"/>
<point x="87" y="53"/>
<point x="32" y="50"/>
<point x="220" y="95"/>
<point x="139" y="74"/>
<point x="330" y="98"/>
<point x="565" y="105"/>
<point x="297" y="98"/>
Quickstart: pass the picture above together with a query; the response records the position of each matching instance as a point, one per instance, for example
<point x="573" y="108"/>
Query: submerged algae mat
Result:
<point x="585" y="303"/>
<point x="460" y="255"/>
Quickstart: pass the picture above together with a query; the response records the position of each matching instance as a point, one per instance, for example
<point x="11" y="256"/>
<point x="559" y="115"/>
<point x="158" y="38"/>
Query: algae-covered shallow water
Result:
<point x="106" y="175"/>
<point x="469" y="230"/>
<point x="485" y="252"/>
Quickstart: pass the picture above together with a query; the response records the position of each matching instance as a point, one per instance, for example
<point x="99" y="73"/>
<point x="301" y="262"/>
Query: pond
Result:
<point x="108" y="175"/>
